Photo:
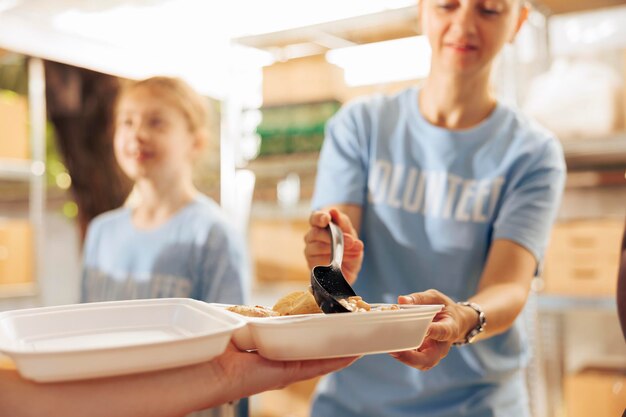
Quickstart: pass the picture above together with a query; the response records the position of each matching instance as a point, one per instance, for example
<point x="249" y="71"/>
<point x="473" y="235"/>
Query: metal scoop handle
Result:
<point x="336" y="245"/>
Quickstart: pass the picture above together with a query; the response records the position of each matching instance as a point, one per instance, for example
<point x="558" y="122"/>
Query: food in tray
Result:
<point x="291" y="336"/>
<point x="253" y="311"/>
<point x="303" y="302"/>
<point x="298" y="302"/>
<point x="356" y="304"/>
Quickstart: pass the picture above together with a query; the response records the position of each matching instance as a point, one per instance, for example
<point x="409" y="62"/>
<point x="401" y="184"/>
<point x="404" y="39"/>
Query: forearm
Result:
<point x="502" y="303"/>
<point x="169" y="393"/>
<point x="503" y="288"/>
<point x="501" y="294"/>
<point x="158" y="394"/>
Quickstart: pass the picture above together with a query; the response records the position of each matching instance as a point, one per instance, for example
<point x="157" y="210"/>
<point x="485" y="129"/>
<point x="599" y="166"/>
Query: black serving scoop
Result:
<point x="327" y="282"/>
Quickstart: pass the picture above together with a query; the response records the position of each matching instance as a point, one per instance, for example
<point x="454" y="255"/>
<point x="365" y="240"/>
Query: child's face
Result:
<point x="152" y="137"/>
<point x="466" y="35"/>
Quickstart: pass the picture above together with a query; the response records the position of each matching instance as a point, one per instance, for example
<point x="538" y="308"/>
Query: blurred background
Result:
<point x="274" y="71"/>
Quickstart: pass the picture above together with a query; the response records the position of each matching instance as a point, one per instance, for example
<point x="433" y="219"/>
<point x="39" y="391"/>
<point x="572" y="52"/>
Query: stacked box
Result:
<point x="583" y="258"/>
<point x="597" y="393"/>
<point x="16" y="252"/>
<point x="14" y="141"/>
<point x="294" y="128"/>
<point x="302" y="80"/>
<point x="277" y="248"/>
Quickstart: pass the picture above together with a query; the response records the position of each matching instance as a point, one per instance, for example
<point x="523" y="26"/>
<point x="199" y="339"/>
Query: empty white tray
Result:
<point x="113" y="338"/>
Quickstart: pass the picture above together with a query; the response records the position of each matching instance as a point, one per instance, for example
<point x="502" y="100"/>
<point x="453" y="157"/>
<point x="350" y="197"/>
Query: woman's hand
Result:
<point x="317" y="240"/>
<point x="245" y="373"/>
<point x="164" y="393"/>
<point x="450" y="325"/>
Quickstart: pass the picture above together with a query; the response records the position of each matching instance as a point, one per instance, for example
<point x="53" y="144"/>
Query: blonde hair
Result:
<point x="178" y="93"/>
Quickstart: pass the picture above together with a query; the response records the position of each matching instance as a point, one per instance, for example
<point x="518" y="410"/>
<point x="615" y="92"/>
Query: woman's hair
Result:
<point x="179" y="94"/>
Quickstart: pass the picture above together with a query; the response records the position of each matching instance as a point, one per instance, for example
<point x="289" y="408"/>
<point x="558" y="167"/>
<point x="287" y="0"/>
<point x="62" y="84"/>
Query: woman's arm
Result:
<point x="168" y="393"/>
<point x="504" y="286"/>
<point x="502" y="293"/>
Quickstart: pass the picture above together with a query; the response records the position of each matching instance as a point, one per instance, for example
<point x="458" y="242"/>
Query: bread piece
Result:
<point x="285" y="304"/>
<point x="298" y="302"/>
<point x="250" y="311"/>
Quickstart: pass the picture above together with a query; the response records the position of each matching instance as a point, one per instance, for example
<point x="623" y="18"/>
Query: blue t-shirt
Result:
<point x="433" y="202"/>
<point x="195" y="254"/>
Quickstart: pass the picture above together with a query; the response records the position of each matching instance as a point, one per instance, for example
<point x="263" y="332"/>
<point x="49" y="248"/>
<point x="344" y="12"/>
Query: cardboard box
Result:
<point x="294" y="128"/>
<point x="277" y="249"/>
<point x="583" y="257"/>
<point x="595" y="393"/>
<point x="14" y="140"/>
<point x="16" y="252"/>
<point x="302" y="80"/>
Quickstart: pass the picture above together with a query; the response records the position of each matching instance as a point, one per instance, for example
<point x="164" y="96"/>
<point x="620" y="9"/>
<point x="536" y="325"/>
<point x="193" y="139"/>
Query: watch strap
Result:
<point x="480" y="323"/>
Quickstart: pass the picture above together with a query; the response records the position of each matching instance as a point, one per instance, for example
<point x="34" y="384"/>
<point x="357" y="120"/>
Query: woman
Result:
<point x="448" y="196"/>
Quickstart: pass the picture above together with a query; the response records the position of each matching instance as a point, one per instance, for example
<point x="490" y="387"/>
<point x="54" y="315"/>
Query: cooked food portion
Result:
<point x="303" y="302"/>
<point x="389" y="307"/>
<point x="250" y="311"/>
<point x="355" y="304"/>
<point x="298" y="302"/>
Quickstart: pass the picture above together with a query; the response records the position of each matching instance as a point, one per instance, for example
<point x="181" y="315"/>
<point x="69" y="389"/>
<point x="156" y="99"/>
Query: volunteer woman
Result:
<point x="448" y="196"/>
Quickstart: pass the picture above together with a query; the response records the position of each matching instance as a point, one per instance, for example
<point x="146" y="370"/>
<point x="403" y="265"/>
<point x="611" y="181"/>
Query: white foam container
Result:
<point x="242" y="337"/>
<point x="113" y="338"/>
<point x="318" y="336"/>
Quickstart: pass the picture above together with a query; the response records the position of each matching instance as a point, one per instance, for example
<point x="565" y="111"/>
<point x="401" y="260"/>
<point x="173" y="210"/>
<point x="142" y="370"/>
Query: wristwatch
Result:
<point x="480" y="324"/>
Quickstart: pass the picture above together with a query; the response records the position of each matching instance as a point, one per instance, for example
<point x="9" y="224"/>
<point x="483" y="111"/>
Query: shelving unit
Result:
<point x="32" y="172"/>
<point x="576" y="331"/>
<point x="563" y="304"/>
<point x="316" y="39"/>
<point x="605" y="153"/>
<point x="388" y="24"/>
<point x="16" y="169"/>
<point x="554" y="311"/>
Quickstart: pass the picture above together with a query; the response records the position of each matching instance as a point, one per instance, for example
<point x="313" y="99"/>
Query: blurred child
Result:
<point x="170" y="240"/>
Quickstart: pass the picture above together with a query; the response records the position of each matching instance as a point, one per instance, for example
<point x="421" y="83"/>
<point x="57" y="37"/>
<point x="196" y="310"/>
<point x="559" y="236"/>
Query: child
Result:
<point x="171" y="241"/>
<point x="449" y="196"/>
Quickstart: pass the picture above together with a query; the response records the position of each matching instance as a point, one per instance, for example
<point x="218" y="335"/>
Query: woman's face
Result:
<point x="466" y="35"/>
<point x="152" y="137"/>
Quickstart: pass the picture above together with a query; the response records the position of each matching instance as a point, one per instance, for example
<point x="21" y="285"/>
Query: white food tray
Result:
<point x="319" y="336"/>
<point x="114" y="338"/>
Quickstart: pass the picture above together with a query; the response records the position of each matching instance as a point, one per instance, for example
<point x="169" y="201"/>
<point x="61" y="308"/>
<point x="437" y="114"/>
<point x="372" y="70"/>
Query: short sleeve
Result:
<point x="342" y="168"/>
<point x="532" y="200"/>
